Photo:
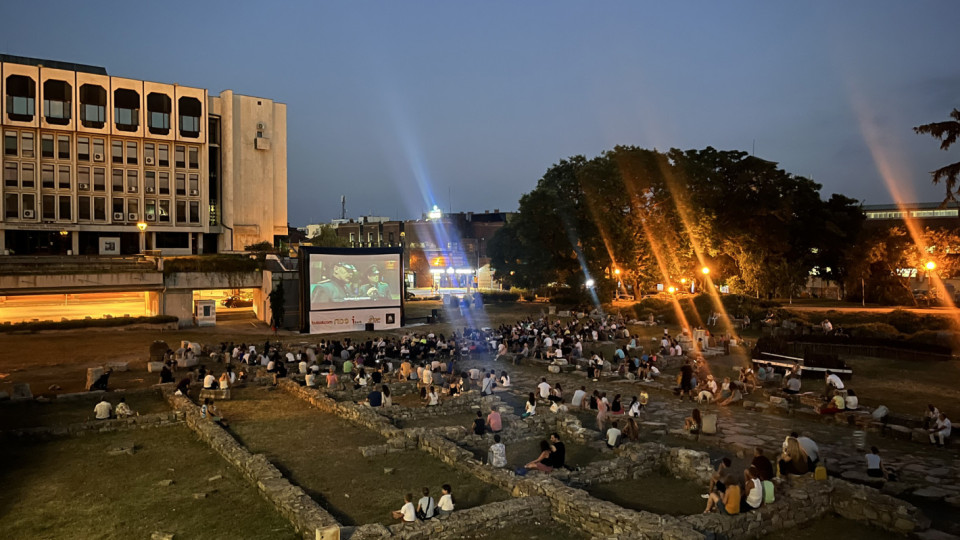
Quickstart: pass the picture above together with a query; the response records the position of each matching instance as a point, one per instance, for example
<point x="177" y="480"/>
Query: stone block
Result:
<point x="93" y="374"/>
<point x="932" y="493"/>
<point x="933" y="534"/>
<point x="21" y="391"/>
<point x="187" y="362"/>
<point x="157" y="535"/>
<point x="154" y="367"/>
<point x="117" y="366"/>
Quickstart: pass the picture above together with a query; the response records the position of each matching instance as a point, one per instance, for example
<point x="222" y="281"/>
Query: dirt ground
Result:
<point x="536" y="530"/>
<point x="34" y="413"/>
<point x="72" y="488"/>
<point x="318" y="452"/>
<point x="832" y="527"/>
<point x="655" y="493"/>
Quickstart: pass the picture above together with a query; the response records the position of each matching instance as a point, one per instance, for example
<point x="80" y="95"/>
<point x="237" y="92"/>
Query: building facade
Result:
<point x="101" y="165"/>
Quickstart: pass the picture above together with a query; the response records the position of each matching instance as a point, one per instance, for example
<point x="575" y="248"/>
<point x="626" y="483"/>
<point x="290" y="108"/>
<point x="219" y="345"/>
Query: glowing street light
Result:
<point x="671" y="289"/>
<point x="142" y="226"/>
<point x="705" y="270"/>
<point x="931" y="265"/>
<point x="616" y="271"/>
<point x="683" y="281"/>
<point x="590" y="283"/>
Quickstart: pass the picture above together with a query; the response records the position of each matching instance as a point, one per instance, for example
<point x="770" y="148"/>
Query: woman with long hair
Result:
<point x="793" y="460"/>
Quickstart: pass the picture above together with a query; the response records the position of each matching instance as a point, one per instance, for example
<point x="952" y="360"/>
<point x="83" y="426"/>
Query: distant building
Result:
<point x="87" y="156"/>
<point x="926" y="214"/>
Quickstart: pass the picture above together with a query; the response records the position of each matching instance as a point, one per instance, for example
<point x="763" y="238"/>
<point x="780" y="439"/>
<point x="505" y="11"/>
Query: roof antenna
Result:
<point x="343" y="207"/>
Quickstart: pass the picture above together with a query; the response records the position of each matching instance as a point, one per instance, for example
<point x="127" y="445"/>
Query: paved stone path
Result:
<point x="927" y="472"/>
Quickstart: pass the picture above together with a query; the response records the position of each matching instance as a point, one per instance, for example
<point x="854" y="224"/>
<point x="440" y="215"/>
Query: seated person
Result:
<point x="792" y="384"/>
<point x="426" y="506"/>
<point x="613" y="435"/>
<point x="875" y="467"/>
<point x="940" y="432"/>
<point x="726" y="497"/>
<point x="736" y="395"/>
<point x="793" y="460"/>
<point x="123" y="410"/>
<point x="541" y="463"/>
<point x="407" y="514"/>
<point x="497" y="454"/>
<point x="851" y="402"/>
<point x="752" y="490"/>
<point x="479" y="425"/>
<point x="103" y="410"/>
<point x="835" y="405"/>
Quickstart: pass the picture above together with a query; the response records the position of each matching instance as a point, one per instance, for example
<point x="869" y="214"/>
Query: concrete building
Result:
<point x="87" y="157"/>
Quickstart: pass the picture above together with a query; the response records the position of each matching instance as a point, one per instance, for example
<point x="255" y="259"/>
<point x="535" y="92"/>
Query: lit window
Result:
<point x="163" y="215"/>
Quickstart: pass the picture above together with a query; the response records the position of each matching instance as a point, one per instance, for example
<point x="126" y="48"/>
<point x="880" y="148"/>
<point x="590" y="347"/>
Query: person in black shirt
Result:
<point x="479" y="425"/>
<point x="377" y="375"/>
<point x="558" y="452"/>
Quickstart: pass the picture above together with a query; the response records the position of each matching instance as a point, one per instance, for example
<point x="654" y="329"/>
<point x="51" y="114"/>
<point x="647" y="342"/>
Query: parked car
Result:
<point x="237" y="301"/>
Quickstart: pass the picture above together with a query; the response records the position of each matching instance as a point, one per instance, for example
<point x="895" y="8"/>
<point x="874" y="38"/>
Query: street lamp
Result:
<point x="590" y="283"/>
<point x="931" y="265"/>
<point x="671" y="289"/>
<point x="142" y="226"/>
<point x="705" y="270"/>
<point x="616" y="271"/>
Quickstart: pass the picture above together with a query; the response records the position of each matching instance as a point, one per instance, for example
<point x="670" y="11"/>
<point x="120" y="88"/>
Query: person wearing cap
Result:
<point x="372" y="287"/>
<point x="337" y="287"/>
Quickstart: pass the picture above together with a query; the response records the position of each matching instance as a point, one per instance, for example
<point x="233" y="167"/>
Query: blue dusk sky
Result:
<point x="404" y="104"/>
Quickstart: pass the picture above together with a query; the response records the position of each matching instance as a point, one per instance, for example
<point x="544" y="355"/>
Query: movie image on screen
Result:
<point x="354" y="281"/>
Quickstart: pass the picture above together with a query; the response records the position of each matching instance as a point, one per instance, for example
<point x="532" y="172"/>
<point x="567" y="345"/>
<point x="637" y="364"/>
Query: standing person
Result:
<point x="445" y="506"/>
<point x="635" y="407"/>
<point x="497" y="454"/>
<point x="601" y="413"/>
<point x="686" y="380"/>
<point x="407" y="514"/>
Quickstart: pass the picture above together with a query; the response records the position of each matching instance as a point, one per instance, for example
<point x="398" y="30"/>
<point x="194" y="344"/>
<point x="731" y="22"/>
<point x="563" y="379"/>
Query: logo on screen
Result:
<point x="391" y="318"/>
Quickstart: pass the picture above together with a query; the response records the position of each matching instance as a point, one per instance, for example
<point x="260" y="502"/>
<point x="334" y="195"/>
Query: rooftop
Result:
<point x="55" y="64"/>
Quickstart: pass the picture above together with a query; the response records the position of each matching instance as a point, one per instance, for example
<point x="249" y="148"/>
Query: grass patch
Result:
<point x="85" y="323"/>
<point x="318" y="452"/>
<point x="33" y="413"/>
<point x="72" y="488"/>
<point x="657" y="493"/>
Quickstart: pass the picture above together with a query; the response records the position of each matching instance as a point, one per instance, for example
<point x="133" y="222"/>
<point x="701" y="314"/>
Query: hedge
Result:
<point x="85" y="323"/>
<point x="211" y="263"/>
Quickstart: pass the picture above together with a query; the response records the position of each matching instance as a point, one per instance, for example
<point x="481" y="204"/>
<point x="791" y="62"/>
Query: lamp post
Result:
<point x="616" y="272"/>
<point x="142" y="226"/>
<point x="930" y="266"/>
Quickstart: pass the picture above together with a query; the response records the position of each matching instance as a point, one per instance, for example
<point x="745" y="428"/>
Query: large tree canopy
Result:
<point x="657" y="217"/>
<point x="947" y="132"/>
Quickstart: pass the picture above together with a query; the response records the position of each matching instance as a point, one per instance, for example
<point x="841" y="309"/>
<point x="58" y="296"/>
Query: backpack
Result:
<point x="431" y="506"/>
<point x="767" y="492"/>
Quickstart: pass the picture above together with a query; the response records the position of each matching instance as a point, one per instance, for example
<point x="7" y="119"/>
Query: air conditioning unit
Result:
<point x="151" y="217"/>
<point x="28" y="214"/>
<point x="194" y="192"/>
<point x="148" y="160"/>
<point x="98" y="156"/>
<point x="84" y="186"/>
<point x="118" y="216"/>
<point x="151" y="190"/>
<point x="132" y="217"/>
<point x="132" y="189"/>
<point x="261" y="126"/>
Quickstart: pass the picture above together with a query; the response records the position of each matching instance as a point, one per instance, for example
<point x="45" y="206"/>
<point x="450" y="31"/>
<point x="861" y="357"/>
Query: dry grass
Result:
<point x="318" y="452"/>
<point x="655" y="493"/>
<point x="71" y="488"/>
<point x="33" y="413"/>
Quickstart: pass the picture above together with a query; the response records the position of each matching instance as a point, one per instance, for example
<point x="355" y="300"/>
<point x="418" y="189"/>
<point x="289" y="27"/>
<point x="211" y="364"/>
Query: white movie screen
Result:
<point x="354" y="281"/>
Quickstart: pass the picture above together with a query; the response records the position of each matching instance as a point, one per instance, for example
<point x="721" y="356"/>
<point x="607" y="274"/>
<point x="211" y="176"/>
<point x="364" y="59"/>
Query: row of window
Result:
<point x="184" y="157"/>
<point x="59" y="208"/>
<point x="23" y="176"/>
<point x="58" y="106"/>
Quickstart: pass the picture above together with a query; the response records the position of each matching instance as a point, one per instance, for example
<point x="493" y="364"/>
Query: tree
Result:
<point x="947" y="132"/>
<point x="327" y="237"/>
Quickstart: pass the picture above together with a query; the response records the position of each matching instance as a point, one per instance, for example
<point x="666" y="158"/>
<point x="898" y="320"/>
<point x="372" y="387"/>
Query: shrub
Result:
<point x="86" y="323"/>
<point x="496" y="297"/>
<point x="873" y="330"/>
<point x="211" y="263"/>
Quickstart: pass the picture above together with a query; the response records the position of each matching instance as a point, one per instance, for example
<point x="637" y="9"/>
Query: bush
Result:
<point x="910" y="323"/>
<point x="86" y="323"/>
<point x="497" y="297"/>
<point x="873" y="330"/>
<point x="211" y="263"/>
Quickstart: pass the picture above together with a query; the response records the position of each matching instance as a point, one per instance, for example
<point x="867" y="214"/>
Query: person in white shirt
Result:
<point x="941" y="431"/>
<point x="209" y="382"/>
<point x="432" y="398"/>
<point x="578" y="396"/>
<point x="407" y="513"/>
<point x="851" y="402"/>
<point x="104" y="410"/>
<point x="426" y="505"/>
<point x="302" y="366"/>
<point x="445" y="506"/>
<point x="810" y="448"/>
<point x="497" y="454"/>
<point x="544" y="388"/>
<point x="311" y="379"/>
<point x="613" y="436"/>
<point x="833" y="382"/>
<point x="931" y="416"/>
